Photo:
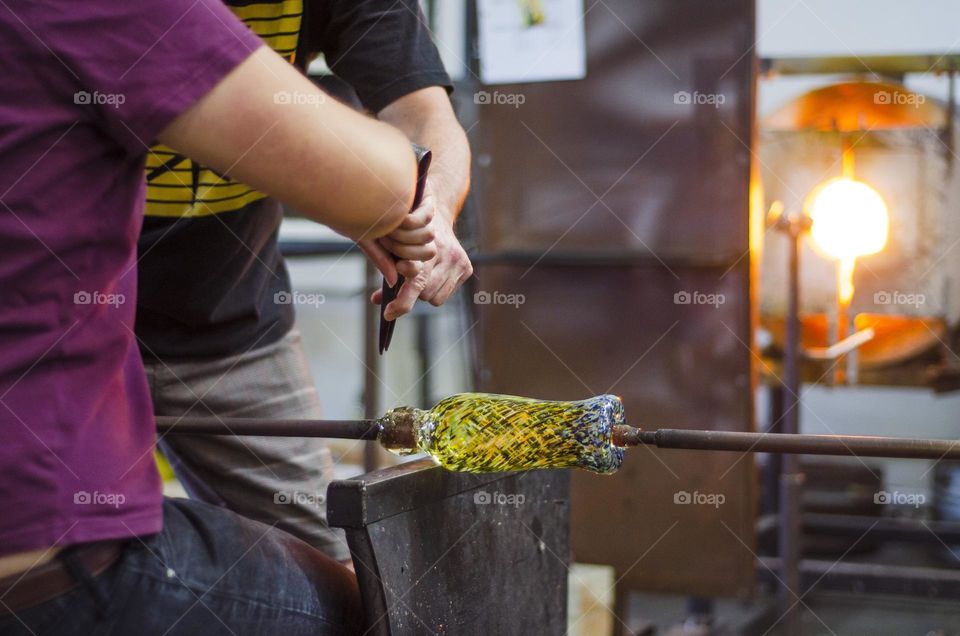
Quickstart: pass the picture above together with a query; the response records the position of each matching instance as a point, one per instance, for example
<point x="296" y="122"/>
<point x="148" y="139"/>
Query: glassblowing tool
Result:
<point x="390" y="293"/>
<point x="482" y="432"/>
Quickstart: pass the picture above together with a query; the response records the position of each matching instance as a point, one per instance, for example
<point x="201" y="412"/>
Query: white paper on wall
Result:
<point x="531" y="40"/>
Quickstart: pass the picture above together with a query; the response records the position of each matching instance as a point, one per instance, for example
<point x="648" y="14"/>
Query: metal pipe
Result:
<point x="369" y="429"/>
<point x="853" y="445"/>
<point x="206" y="425"/>
<point x="791" y="477"/>
<point x="371" y="362"/>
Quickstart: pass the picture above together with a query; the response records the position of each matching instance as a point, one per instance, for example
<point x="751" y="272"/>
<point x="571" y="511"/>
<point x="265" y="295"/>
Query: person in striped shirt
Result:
<point x="215" y="323"/>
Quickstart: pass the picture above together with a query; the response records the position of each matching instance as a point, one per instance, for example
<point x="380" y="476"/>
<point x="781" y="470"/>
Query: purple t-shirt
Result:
<point x="86" y="87"/>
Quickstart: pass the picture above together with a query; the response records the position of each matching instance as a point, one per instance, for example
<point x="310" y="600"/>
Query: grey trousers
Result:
<point x="270" y="479"/>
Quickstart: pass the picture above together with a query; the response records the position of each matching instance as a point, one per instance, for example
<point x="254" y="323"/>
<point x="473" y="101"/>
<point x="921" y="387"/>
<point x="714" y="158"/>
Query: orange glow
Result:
<point x="845" y="269"/>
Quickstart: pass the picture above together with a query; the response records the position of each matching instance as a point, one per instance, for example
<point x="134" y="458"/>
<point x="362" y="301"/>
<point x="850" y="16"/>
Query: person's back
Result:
<point x="87" y="87"/>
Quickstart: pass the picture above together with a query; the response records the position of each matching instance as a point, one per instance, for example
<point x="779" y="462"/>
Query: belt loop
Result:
<point x="82" y="576"/>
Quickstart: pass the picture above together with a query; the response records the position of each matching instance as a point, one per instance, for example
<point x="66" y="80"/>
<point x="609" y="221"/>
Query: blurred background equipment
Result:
<point x="839" y="153"/>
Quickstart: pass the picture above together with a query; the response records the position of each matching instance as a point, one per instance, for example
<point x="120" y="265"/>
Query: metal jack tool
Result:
<point x="390" y="293"/>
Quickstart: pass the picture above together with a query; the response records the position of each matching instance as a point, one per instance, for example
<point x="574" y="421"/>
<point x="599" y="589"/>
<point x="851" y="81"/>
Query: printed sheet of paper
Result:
<point x="531" y="40"/>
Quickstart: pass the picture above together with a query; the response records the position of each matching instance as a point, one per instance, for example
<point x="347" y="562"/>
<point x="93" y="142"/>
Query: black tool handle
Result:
<point x="389" y="293"/>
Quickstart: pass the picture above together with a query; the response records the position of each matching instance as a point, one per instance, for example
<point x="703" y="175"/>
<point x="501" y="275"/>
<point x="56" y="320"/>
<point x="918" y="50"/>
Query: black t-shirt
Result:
<point x="212" y="281"/>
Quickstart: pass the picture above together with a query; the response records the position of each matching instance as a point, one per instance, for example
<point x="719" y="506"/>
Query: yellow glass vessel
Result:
<point x="483" y="432"/>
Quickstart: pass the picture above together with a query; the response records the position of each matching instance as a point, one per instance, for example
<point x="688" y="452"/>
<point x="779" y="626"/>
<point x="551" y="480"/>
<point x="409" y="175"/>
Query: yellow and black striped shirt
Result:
<point x="211" y="278"/>
<point x="179" y="187"/>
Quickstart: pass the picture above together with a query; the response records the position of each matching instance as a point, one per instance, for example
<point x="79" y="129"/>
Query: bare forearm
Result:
<point x="338" y="167"/>
<point x="427" y="118"/>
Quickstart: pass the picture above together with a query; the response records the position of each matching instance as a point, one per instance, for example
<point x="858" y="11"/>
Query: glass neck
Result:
<point x="398" y="428"/>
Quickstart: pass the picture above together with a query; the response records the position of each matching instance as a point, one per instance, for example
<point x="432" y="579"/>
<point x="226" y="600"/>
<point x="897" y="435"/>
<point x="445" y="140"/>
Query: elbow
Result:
<point x="395" y="208"/>
<point x="398" y="183"/>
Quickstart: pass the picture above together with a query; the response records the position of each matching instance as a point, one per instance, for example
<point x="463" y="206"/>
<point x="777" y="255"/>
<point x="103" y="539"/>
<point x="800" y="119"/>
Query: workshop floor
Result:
<point x="831" y="614"/>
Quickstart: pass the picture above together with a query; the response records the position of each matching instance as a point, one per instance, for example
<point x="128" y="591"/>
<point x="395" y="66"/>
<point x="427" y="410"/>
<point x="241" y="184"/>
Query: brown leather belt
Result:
<point x="48" y="581"/>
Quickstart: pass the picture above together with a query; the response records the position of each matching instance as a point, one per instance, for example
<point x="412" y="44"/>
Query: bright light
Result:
<point x="850" y="219"/>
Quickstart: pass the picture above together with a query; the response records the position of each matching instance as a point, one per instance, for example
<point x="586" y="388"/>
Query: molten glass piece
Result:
<point x="482" y="432"/>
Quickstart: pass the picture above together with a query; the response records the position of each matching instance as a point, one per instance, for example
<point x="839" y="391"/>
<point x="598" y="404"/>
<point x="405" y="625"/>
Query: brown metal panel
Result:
<point x="621" y="134"/>
<point x="674" y="179"/>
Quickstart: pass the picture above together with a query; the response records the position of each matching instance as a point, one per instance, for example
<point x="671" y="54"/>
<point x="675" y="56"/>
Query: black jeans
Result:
<point x="209" y="572"/>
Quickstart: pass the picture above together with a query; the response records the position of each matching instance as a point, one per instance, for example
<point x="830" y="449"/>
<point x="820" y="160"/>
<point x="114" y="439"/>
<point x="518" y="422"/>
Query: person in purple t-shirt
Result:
<point x="87" y="543"/>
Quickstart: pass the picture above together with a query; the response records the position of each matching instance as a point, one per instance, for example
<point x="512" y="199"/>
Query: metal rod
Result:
<point x="205" y="425"/>
<point x="854" y="445"/>
<point x="791" y="477"/>
<point x="371" y="361"/>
